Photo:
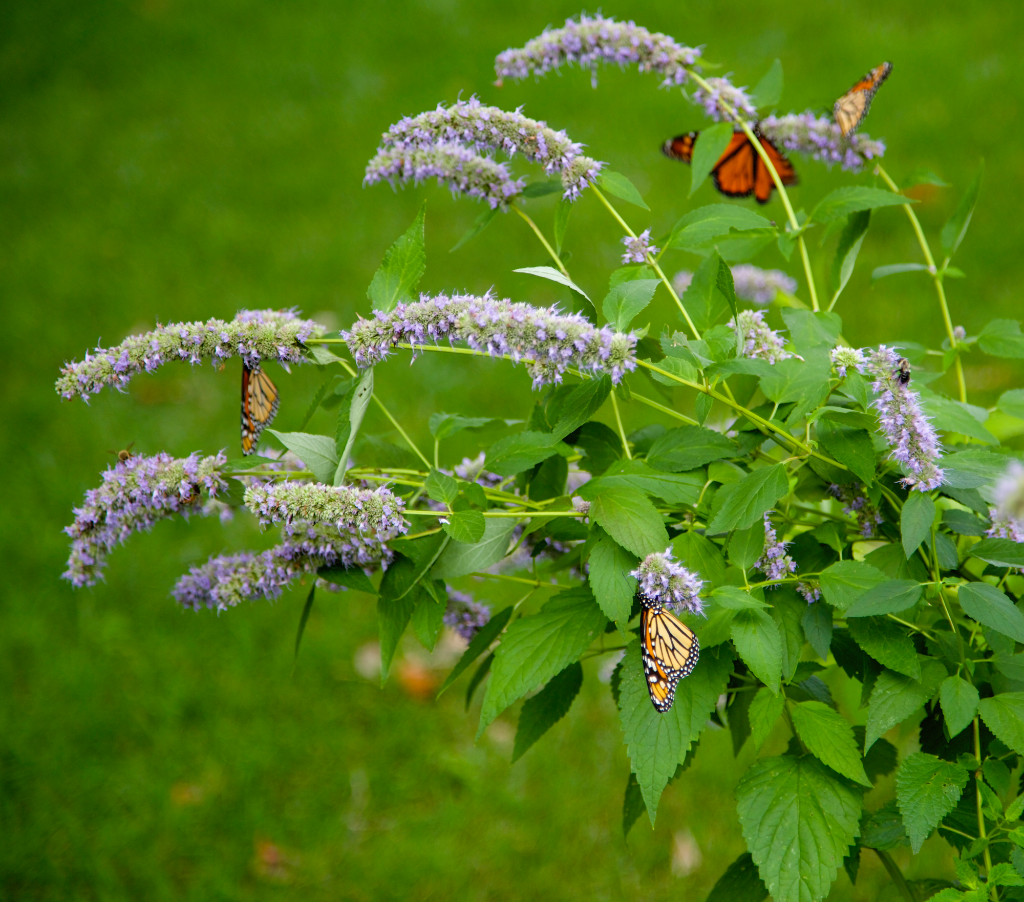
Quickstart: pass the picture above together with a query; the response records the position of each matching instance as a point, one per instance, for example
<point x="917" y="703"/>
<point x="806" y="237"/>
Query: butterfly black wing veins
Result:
<point x="669" y="650"/>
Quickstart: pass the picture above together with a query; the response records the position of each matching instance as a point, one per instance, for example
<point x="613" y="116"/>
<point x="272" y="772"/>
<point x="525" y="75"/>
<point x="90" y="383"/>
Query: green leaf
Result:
<point x="849" y="446"/>
<point x="479" y="224"/>
<point x="402" y="269"/>
<point x="516" y="453"/>
<point x="740" y="882"/>
<point x="829" y="737"/>
<point x="887" y="643"/>
<point x="459" y="559"/>
<point x="959" y="703"/>
<point x="768" y="91"/>
<point x="477" y="646"/>
<point x="844" y="201"/>
<point x="1012" y="403"/>
<point x="629" y="517"/>
<point x="562" y="210"/>
<point x="626" y="300"/>
<point x="547" y="707"/>
<point x="890" y="597"/>
<point x="616" y="183"/>
<point x="657" y="743"/>
<point x="884" y="829"/>
<point x="316" y="451"/>
<point x="674" y="488"/>
<point x="445" y="425"/>
<point x="394" y="609"/>
<point x="350" y="577"/>
<point x="894" y="269"/>
<point x="1001" y="552"/>
<point x="441" y="487"/>
<point x="537" y="647"/>
<point x="710" y="146"/>
<point x="544" y="188"/>
<point x="847" y="250"/>
<point x="704" y="224"/>
<point x="992" y="608"/>
<point x="1002" y="338"/>
<point x="846" y="581"/>
<point x="787" y="611"/>
<point x="971" y="469"/>
<point x="465" y="526"/>
<point x="799" y="819"/>
<point x="582" y="403"/>
<point x="744" y="502"/>
<point x="554" y="275"/>
<point x="1004" y="715"/>
<point x="746" y="546"/>
<point x="765" y="709"/>
<point x="360" y="400"/>
<point x="927" y="789"/>
<point x="817" y="624"/>
<point x="952" y="416"/>
<point x="810" y="330"/>
<point x="478" y="677"/>
<point x="804" y="382"/>
<point x="689" y="447"/>
<point x="895" y="697"/>
<point x="609" y="578"/>
<point x="306" y="608"/>
<point x="953" y="231"/>
<point x="428" y="616"/>
<point x="923" y="176"/>
<point x="756" y="637"/>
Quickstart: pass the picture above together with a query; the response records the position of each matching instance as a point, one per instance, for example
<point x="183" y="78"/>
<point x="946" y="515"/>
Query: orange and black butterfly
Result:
<point x="259" y="406"/>
<point x="850" y="109"/>
<point x="740" y="171"/>
<point x="670" y="650"/>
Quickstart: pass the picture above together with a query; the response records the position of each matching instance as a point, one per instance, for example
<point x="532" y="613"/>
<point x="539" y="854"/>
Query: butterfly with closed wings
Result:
<point x="850" y="109"/>
<point x="260" y="402"/>
<point x="669" y="650"/>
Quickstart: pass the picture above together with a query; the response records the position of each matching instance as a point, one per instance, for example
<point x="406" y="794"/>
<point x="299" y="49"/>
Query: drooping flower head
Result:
<point x="846" y="359"/>
<point x="758" y="340"/>
<point x="668" y="583"/>
<point x="253" y="335"/>
<point x="774" y="562"/>
<point x="547" y="341"/>
<point x="136" y="493"/>
<point x="638" y="248"/>
<point x="724" y="102"/>
<point x="811" y="591"/>
<point x="856" y="504"/>
<point x="1008" y="514"/>
<point x="760" y="285"/>
<point x="594" y="40"/>
<point x="820" y="138"/>
<point x="465" y="615"/>
<point x="914" y="443"/>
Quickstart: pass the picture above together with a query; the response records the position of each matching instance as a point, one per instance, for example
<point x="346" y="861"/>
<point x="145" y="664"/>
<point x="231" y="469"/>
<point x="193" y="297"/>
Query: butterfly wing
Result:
<point x="763" y="183"/>
<point x="850" y="109"/>
<point x="260" y="402"/>
<point x="680" y="147"/>
<point x="670" y="651"/>
<point x="735" y="172"/>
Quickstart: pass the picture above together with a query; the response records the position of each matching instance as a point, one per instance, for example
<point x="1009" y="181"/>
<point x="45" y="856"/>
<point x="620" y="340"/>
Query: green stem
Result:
<point x="666" y="410"/>
<point x="536" y="583"/>
<point x="979" y="802"/>
<point x="897" y="876"/>
<point x="936" y="279"/>
<point x="543" y="240"/>
<point x="618" y="420"/>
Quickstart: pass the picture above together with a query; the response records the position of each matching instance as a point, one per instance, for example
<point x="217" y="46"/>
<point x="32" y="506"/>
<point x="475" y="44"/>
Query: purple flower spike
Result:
<point x="741" y="108"/>
<point x="669" y="584"/>
<point x="1008" y="514"/>
<point x="758" y="340"/>
<point x="638" y="248"/>
<point x="774" y="562"/>
<point x="253" y="335"/>
<point x="465" y="615"/>
<point x="810" y="591"/>
<point x="915" y="446"/>
<point x="856" y="504"/>
<point x="760" y="285"/>
<point x="820" y="138"/>
<point x="135" y="494"/>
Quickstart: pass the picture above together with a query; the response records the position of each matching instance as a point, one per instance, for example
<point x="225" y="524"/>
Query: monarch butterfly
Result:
<point x="740" y="171"/>
<point x="850" y="109"/>
<point x="670" y="650"/>
<point x="259" y="406"/>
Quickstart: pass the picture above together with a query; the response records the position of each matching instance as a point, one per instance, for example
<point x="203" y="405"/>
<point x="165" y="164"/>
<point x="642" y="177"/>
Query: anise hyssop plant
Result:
<point x="797" y="513"/>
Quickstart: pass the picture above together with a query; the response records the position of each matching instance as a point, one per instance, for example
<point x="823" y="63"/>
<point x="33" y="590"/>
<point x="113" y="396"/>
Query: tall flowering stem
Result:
<point x="546" y="341"/>
<point x="936" y="280"/>
<point x="253" y="335"/>
<point x="911" y="436"/>
<point x="667" y="583"/>
<point x="774" y="562"/>
<point x="135" y="494"/>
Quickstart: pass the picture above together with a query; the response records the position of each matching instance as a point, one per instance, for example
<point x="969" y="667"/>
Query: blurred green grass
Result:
<point x="170" y="160"/>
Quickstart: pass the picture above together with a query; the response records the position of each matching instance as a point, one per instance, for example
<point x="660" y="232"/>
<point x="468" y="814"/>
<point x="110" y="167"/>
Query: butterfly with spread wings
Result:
<point x="850" y="109"/>
<point x="740" y="171"/>
<point x="259" y="406"/>
<point x="670" y="650"/>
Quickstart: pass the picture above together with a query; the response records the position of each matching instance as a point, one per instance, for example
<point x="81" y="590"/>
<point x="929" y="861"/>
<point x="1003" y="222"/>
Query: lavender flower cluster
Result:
<point x="760" y="286"/>
<point x="723" y="101"/>
<point x="596" y="39"/>
<point x="254" y="335"/>
<point x="135" y="494"/>
<point x="366" y="517"/>
<point x="1008" y="514"/>
<point x="759" y="341"/>
<point x="669" y="584"/>
<point x="774" y="562"/>
<point x="226" y="580"/>
<point x="811" y="591"/>
<point x="547" y="341"/>
<point x="856" y="504"/>
<point x="820" y="138"/>
<point x="846" y="359"/>
<point x="638" y="248"/>
<point x="472" y="470"/>
<point x="910" y="435"/>
<point x="465" y="615"/>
